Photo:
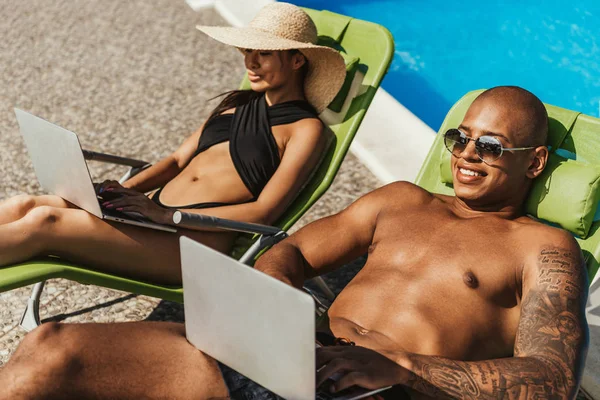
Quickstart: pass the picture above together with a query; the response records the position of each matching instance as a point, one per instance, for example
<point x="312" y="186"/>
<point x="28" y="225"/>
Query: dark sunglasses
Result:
<point x="487" y="148"/>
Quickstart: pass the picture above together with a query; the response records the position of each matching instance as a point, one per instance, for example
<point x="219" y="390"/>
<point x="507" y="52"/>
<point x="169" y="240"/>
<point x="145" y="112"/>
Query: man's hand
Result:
<point x="128" y="200"/>
<point x="357" y="366"/>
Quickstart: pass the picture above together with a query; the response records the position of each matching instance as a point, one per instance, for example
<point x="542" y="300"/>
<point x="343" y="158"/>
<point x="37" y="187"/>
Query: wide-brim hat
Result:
<point x="284" y="26"/>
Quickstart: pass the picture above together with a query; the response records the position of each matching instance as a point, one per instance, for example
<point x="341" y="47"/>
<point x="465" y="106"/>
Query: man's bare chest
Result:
<point x="478" y="254"/>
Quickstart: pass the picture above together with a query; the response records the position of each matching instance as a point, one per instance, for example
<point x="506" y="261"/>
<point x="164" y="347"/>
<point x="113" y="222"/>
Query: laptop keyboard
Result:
<point x="325" y="396"/>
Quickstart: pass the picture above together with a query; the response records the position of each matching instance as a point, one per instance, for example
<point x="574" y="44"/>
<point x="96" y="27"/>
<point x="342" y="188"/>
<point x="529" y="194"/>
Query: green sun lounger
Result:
<point x="367" y="49"/>
<point x="568" y="191"/>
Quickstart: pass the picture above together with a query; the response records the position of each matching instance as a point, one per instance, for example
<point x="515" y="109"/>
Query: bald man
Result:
<point x="461" y="296"/>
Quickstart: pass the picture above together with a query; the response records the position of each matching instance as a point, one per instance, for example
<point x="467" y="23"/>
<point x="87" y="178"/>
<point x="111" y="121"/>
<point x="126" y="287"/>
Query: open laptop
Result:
<point x="61" y="169"/>
<point x="253" y="323"/>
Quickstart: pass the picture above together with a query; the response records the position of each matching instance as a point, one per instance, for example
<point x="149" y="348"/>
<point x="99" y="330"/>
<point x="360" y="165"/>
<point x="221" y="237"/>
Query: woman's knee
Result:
<point x="42" y="218"/>
<point x="23" y="203"/>
<point x="36" y="228"/>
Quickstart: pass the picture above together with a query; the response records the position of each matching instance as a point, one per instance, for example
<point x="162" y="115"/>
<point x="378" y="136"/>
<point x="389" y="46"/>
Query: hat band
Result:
<point x="280" y="35"/>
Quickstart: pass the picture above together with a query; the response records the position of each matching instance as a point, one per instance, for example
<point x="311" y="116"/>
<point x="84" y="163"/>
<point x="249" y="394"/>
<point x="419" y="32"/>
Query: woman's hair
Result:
<point x="236" y="98"/>
<point x="233" y="99"/>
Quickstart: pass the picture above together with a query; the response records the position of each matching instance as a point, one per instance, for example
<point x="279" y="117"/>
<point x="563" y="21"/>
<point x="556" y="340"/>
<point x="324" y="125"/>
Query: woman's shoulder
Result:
<point x="308" y="126"/>
<point x="229" y="111"/>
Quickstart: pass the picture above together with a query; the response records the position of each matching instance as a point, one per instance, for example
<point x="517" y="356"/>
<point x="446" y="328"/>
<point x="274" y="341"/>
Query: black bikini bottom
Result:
<point x="156" y="198"/>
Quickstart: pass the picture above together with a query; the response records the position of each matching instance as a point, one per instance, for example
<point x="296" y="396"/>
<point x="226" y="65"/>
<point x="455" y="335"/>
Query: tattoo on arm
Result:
<point x="549" y="348"/>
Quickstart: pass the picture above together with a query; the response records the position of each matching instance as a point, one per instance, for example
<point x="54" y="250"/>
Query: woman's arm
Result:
<point x="166" y="169"/>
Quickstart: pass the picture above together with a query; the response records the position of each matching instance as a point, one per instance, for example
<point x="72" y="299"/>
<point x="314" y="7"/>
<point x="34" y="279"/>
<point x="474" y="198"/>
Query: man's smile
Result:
<point x="466" y="174"/>
<point x="469" y="172"/>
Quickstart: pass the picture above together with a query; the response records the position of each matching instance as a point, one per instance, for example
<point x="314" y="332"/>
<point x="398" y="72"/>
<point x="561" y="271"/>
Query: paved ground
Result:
<point x="131" y="78"/>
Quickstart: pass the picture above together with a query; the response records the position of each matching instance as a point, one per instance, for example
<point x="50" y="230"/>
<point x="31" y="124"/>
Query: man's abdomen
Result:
<point x="387" y="309"/>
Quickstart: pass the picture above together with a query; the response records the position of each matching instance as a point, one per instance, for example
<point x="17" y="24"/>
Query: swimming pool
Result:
<point x="446" y="48"/>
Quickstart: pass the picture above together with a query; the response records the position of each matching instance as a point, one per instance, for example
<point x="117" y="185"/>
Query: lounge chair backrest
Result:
<point x="572" y="136"/>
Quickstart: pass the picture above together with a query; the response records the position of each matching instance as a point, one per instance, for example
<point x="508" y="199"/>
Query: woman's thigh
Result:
<point x="136" y="360"/>
<point x="75" y="235"/>
<point x="17" y="207"/>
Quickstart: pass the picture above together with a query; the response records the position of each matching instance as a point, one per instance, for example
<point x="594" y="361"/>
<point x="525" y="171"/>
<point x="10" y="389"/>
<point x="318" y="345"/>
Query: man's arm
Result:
<point x="550" y="346"/>
<point x="331" y="242"/>
<point x="549" y="351"/>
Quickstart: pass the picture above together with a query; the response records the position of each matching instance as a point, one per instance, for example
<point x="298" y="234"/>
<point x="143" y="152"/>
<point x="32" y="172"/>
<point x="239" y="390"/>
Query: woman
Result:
<point x="247" y="162"/>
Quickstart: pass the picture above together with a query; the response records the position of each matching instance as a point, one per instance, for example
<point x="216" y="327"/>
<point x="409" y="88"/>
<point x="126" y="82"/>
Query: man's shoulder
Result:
<point x="545" y="244"/>
<point x="403" y="192"/>
<point x="392" y="199"/>
<point x="538" y="234"/>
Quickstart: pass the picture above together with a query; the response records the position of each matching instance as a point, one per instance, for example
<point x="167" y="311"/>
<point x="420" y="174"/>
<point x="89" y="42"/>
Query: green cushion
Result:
<point x="566" y="193"/>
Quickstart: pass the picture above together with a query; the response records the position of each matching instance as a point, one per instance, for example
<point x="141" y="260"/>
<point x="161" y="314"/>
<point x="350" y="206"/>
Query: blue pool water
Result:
<point x="445" y="48"/>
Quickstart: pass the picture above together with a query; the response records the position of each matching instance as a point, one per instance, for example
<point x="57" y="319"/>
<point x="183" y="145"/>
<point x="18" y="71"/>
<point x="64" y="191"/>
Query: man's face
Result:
<point x="486" y="185"/>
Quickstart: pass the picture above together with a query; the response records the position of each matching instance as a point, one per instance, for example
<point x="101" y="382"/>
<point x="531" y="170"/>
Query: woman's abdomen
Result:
<point x="209" y="177"/>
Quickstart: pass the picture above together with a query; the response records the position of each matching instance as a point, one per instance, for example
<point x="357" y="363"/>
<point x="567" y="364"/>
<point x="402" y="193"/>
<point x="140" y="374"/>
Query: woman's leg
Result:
<point x="17" y="207"/>
<point x="139" y="360"/>
<point x="75" y="235"/>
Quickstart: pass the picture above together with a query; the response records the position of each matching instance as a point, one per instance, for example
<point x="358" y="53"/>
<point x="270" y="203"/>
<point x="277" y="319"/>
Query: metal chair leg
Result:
<point x="31" y="316"/>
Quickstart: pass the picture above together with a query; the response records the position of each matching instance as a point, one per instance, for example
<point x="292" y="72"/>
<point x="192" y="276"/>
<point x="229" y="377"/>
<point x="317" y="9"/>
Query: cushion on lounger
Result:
<point x="566" y="193"/>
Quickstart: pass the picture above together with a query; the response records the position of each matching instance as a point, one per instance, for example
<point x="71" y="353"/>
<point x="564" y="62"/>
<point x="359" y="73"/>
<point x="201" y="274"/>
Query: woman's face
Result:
<point x="269" y="69"/>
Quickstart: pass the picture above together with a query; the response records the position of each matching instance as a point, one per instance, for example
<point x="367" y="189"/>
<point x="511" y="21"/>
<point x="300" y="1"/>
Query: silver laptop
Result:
<point x="253" y="323"/>
<point x="61" y="169"/>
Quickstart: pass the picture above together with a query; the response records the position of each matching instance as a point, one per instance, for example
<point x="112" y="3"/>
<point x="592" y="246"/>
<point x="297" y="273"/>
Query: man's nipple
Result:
<point x="470" y="280"/>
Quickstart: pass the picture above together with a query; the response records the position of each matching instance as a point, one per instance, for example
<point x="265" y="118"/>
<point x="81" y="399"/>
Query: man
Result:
<point x="461" y="297"/>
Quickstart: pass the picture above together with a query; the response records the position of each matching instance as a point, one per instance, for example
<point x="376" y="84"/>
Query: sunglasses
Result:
<point x="487" y="148"/>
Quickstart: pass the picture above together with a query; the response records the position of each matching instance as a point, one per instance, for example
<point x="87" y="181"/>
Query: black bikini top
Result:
<point x="252" y="146"/>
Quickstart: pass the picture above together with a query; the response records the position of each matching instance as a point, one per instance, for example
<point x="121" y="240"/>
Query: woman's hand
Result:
<point x="117" y="197"/>
<point x="354" y="365"/>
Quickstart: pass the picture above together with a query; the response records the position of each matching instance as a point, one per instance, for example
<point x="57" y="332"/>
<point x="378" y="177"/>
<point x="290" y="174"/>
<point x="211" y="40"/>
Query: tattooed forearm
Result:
<point x="552" y="326"/>
<point x="511" y="378"/>
<point x="549" y="347"/>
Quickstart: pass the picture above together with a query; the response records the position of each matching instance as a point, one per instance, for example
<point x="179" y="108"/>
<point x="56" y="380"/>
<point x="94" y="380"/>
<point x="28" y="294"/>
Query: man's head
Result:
<point x="515" y="118"/>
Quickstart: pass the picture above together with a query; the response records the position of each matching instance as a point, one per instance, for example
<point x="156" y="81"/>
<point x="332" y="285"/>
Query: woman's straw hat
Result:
<point x="284" y="26"/>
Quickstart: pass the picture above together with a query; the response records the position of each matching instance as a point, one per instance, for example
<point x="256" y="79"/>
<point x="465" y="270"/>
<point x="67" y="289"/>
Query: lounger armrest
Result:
<point x="198" y="221"/>
<point x="109" y="158"/>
